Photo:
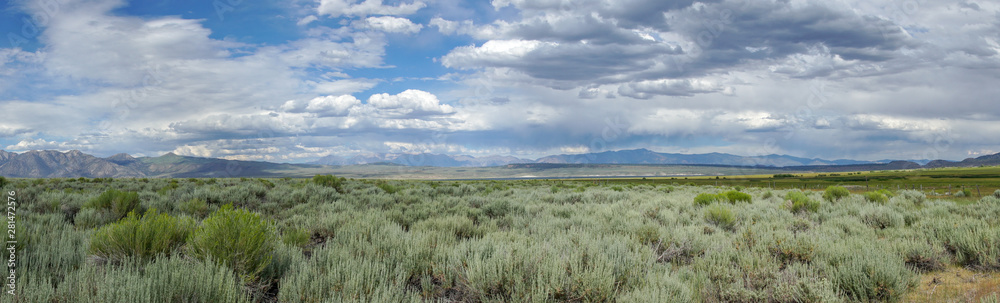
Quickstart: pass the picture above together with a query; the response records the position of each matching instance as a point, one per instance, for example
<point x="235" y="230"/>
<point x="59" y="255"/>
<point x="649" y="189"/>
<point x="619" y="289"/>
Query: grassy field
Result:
<point x="939" y="182"/>
<point x="329" y="239"/>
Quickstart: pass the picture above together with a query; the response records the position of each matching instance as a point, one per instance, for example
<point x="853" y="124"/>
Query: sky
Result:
<point x="293" y="81"/>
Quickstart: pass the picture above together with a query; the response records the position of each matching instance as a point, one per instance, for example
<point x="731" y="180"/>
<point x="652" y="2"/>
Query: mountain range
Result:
<point x="635" y="156"/>
<point x="71" y="164"/>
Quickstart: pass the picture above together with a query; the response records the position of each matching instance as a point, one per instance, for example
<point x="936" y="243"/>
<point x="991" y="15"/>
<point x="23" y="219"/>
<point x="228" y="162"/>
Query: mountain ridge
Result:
<point x="56" y="164"/>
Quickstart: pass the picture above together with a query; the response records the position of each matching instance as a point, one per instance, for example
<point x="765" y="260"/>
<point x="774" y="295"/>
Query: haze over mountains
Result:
<point x="635" y="156"/>
<point x="55" y="164"/>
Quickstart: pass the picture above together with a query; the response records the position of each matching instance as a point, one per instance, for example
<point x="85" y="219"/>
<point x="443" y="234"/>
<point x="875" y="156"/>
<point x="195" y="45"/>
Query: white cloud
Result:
<point x="411" y="101"/>
<point x="306" y="20"/>
<point x="40" y="144"/>
<point x="337" y="8"/>
<point x="346" y="86"/>
<point x="491" y="51"/>
<point x="194" y="151"/>
<point x="323" y="106"/>
<point x="391" y="24"/>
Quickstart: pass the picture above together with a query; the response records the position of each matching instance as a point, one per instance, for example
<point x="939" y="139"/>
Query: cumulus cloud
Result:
<point x="337" y="8"/>
<point x="391" y="24"/>
<point x="323" y="106"/>
<point x="409" y="102"/>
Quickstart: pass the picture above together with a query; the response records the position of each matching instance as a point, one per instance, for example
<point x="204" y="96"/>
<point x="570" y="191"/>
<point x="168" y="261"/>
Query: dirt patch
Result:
<point x="955" y="284"/>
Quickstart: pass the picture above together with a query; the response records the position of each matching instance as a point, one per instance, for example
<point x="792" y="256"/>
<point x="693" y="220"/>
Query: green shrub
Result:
<point x="886" y="192"/>
<point x="916" y="197"/>
<point x="876" y="197"/>
<point x="297" y="237"/>
<point x="921" y="256"/>
<point x="881" y="217"/>
<point x="196" y="207"/>
<point x="797" y="249"/>
<point x="117" y="202"/>
<point x="800" y="205"/>
<point x="767" y="195"/>
<point x="705" y="199"/>
<point x="385" y="186"/>
<point x="164" y="280"/>
<point x="720" y="215"/>
<point x="660" y="288"/>
<point x="997" y="194"/>
<point x="963" y="193"/>
<point x="799" y="202"/>
<point x="329" y="181"/>
<point x="834" y="193"/>
<point x="90" y="218"/>
<point x="237" y="238"/>
<point x="872" y="277"/>
<point x="460" y="227"/>
<point x="734" y="196"/>
<point x="975" y="244"/>
<point x="648" y="234"/>
<point x="142" y="238"/>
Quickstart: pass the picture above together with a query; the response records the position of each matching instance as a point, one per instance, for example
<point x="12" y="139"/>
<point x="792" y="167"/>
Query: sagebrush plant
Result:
<point x="720" y="215"/>
<point x="801" y="203"/>
<point x="237" y="238"/>
<point x="913" y="196"/>
<point x="196" y="207"/>
<point x="834" y="193"/>
<point x="115" y="202"/>
<point x="141" y="238"/>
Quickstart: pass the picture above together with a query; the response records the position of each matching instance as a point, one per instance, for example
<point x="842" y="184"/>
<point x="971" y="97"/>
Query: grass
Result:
<point x="955" y="284"/>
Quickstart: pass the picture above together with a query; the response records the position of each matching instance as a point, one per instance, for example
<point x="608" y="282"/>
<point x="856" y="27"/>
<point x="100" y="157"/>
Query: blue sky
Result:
<point x="294" y="81"/>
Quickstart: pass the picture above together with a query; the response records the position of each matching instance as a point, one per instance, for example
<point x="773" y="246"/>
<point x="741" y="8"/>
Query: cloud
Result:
<point x="391" y="24"/>
<point x="326" y="106"/>
<point x="518" y="77"/>
<point x="306" y="20"/>
<point x="41" y="144"/>
<point x="560" y="65"/>
<point x="337" y="8"/>
<point x="409" y="102"/>
<point x="671" y="87"/>
<point x="346" y="86"/>
<point x="242" y="125"/>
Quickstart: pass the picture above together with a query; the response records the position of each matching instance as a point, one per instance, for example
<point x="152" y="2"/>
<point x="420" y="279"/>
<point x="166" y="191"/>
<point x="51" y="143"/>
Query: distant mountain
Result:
<point x="55" y="164"/>
<point x="72" y="164"/>
<point x="423" y="159"/>
<point x="645" y="156"/>
<point x="47" y="163"/>
<point x="635" y="156"/>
